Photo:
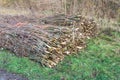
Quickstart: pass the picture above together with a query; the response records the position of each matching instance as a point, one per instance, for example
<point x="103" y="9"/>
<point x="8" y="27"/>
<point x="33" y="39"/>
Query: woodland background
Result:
<point x="103" y="11"/>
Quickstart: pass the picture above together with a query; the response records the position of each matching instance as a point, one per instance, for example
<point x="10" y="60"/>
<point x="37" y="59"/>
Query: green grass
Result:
<point x="99" y="61"/>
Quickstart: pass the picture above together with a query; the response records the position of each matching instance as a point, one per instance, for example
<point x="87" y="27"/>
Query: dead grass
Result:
<point x="13" y="12"/>
<point x="108" y="23"/>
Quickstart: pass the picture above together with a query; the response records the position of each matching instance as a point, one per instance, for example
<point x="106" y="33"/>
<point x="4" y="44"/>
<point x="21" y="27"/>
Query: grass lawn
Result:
<point x="99" y="61"/>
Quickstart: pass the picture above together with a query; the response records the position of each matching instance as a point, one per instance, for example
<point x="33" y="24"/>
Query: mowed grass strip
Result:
<point x="99" y="61"/>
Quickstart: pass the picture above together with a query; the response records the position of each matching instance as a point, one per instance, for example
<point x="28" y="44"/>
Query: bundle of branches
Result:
<point x="46" y="44"/>
<point x="86" y="25"/>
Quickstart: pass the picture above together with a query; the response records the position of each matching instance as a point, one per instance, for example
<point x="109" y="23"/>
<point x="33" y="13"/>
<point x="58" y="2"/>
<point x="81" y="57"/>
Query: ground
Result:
<point x="99" y="61"/>
<point x="4" y="75"/>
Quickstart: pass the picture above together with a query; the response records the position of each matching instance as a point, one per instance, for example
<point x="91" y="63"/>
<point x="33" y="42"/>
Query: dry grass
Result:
<point x="96" y="8"/>
<point x="105" y="23"/>
<point x="13" y="12"/>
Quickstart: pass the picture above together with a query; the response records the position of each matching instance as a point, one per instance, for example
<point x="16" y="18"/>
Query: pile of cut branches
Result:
<point x="48" y="43"/>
